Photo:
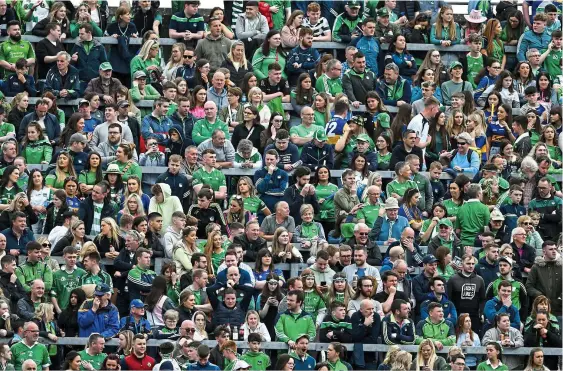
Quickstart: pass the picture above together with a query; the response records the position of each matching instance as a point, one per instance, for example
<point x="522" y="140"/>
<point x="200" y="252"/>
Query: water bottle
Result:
<point x="235" y="333"/>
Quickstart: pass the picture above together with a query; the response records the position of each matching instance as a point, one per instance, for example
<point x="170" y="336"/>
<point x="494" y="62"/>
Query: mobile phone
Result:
<point x="457" y="261"/>
<point x="323" y="283"/>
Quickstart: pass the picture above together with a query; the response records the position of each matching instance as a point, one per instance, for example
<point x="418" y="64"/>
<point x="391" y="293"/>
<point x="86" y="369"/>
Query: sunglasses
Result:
<point x="188" y="56"/>
<point x="461" y="143"/>
<point x="45" y="244"/>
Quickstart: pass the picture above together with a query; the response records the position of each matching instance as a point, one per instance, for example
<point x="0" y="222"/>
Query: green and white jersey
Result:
<point x="96" y="360"/>
<point x="37" y="352"/>
<point x="64" y="282"/>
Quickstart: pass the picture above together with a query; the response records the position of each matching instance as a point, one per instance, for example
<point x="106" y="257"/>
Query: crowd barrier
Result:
<point x="276" y="345"/>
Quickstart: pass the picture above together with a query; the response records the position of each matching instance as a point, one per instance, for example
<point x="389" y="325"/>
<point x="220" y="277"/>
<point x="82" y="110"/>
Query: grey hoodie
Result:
<point x="171" y="237"/>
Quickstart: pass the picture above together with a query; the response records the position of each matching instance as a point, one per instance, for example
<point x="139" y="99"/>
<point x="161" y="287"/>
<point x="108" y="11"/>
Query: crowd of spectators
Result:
<point x="169" y="193"/>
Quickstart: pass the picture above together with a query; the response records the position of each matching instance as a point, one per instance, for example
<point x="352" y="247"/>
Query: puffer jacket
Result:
<point x="545" y="279"/>
<point x="54" y="82"/>
<point x="393" y="333"/>
<point x="223" y="315"/>
<point x="104" y="321"/>
<point x="531" y="39"/>
<point x="186" y="125"/>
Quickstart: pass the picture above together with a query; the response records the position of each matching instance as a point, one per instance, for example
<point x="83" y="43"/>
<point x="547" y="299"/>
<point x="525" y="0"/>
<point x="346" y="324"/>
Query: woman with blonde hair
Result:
<point x="214" y="250"/>
<point x="339" y="290"/>
<point x="236" y="63"/>
<point x="19" y="107"/>
<point x="253" y="325"/>
<point x="475" y="126"/>
<point x="427" y="359"/>
<point x="282" y="249"/>
<point x="200" y="321"/>
<point x="390" y="357"/>
<point x="533" y="237"/>
<point x="57" y="14"/>
<point x="403" y="361"/>
<point x="252" y="203"/>
<point x="46" y="253"/>
<point x="536" y="361"/>
<point x="455" y="125"/>
<point x="48" y="327"/>
<point x="175" y="61"/>
<point x="433" y="61"/>
<point x="133" y="206"/>
<point x="76" y="237"/>
<point x="64" y="169"/>
<point x="446" y="32"/>
<point x="5" y="324"/>
<point x="147" y="60"/>
<point x="309" y="232"/>
<point x="256" y="98"/>
<point x="125" y="342"/>
<point x="109" y="241"/>
<point x="19" y="203"/>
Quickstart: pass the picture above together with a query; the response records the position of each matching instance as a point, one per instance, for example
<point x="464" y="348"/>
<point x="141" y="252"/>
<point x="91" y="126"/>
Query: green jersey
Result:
<point x="486" y="366"/>
<point x="474" y="65"/>
<point x="11" y="51"/>
<point x="313" y="303"/>
<point x="64" y="282"/>
<point x="215" y="178"/>
<point x="254" y="204"/>
<point x="552" y="63"/>
<point x="399" y="188"/>
<point x="96" y="279"/>
<point x="96" y="360"/>
<point x="258" y="361"/>
<point x="129" y="168"/>
<point x="451" y="207"/>
<point x="52" y="180"/>
<point x="327" y="85"/>
<point x="37" y="152"/>
<point x="369" y="213"/>
<point x="6" y="128"/>
<point x="87" y="177"/>
<point x="326" y="209"/>
<point x="471" y="217"/>
<point x="37" y="352"/>
<point x="302" y="131"/>
<point x="8" y="194"/>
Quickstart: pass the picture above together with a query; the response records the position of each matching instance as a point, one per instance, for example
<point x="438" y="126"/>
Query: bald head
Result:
<point x="367" y="308"/>
<point x="407" y="233"/>
<point x="210" y="109"/>
<point x="29" y="365"/>
<point x="396" y="252"/>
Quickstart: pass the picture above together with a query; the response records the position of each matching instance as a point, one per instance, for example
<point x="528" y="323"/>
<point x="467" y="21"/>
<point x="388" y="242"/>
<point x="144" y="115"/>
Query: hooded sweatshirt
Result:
<point x="167" y="207"/>
<point x="171" y="238"/>
<point x="258" y="361"/>
<point x="255" y="159"/>
<point x="467" y="292"/>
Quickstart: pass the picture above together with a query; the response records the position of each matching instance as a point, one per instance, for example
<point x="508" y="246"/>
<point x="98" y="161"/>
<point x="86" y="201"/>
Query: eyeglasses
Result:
<point x="495" y="67"/>
<point x="69" y="178"/>
<point x="46" y="244"/>
<point x="527" y="223"/>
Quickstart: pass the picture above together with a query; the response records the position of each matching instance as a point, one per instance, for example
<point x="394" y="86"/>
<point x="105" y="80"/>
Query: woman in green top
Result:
<point x="64" y="168"/>
<point x="146" y="60"/>
<point x="172" y="281"/>
<point x="35" y="148"/>
<point x="125" y="162"/>
<point x="320" y="109"/>
<point x="493" y="362"/>
<point x="325" y="191"/>
<point x="453" y="204"/>
<point x="252" y="203"/>
<point x="548" y="137"/>
<point x="303" y="95"/>
<point x="493" y="46"/>
<point x="383" y="145"/>
<point x="313" y="303"/>
<point x="270" y="52"/>
<point x="514" y="28"/>
<point x="430" y="226"/>
<point x="309" y="231"/>
<point x="214" y="250"/>
<point x="444" y="257"/>
<point x="92" y="173"/>
<point x="81" y="17"/>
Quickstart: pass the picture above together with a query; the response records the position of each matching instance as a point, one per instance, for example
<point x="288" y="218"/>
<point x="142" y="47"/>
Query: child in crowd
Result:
<point x="259" y="360"/>
<point x="435" y="172"/>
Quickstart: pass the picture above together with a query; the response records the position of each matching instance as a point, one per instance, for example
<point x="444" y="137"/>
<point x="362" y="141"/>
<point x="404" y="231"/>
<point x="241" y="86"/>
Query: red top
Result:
<point x="142" y="364"/>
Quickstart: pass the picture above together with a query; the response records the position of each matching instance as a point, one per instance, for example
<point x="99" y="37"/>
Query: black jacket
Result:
<point x="293" y="197"/>
<point x="86" y="212"/>
<point x="155" y="244"/>
<point x="231" y="316"/>
<point x="251" y="247"/>
<point x="31" y="218"/>
<point x="62" y="243"/>
<point x="26" y="308"/>
<point x="12" y="291"/>
<point x="52" y="220"/>
<point x="399" y="153"/>
<point x="123" y="264"/>
<point x="236" y="75"/>
<point x="362" y="333"/>
<point x="527" y="258"/>
<point x="341" y="330"/>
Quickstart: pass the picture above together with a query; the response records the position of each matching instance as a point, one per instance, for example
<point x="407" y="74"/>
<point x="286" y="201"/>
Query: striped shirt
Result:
<point x="320" y="28"/>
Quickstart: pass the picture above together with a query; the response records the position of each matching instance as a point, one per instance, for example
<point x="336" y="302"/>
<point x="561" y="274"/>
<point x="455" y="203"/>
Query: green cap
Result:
<point x="446" y="222"/>
<point x="106" y="66"/>
<point x="363" y="138"/>
<point x="358" y="120"/>
<point x="353" y="4"/>
<point x="384" y="120"/>
<point x="455" y="64"/>
<point x="320" y="135"/>
<point x="347" y="230"/>
<point x="383" y="12"/>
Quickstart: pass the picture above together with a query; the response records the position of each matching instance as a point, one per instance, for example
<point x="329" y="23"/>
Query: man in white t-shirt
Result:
<point x="421" y="122"/>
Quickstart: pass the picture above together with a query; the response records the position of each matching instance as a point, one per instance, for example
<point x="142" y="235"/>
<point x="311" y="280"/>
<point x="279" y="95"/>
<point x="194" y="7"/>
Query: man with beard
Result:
<point x="104" y="84"/>
<point x="467" y="291"/>
<point x="101" y="132"/>
<point x="108" y="148"/>
<point x="147" y="18"/>
<point x="15" y="48"/>
<point x="294" y="322"/>
<point x="48" y="48"/>
<point x="27" y="305"/>
<point x="88" y="55"/>
<point x="124" y="262"/>
<point x="445" y="237"/>
<point x="545" y="276"/>
<point x="361" y="267"/>
<point x="397" y="327"/>
<point x="390" y="292"/>
<point x="364" y="290"/>
<point x="303" y="58"/>
<point x="487" y="266"/>
<point x="301" y="193"/>
<point x="549" y="207"/>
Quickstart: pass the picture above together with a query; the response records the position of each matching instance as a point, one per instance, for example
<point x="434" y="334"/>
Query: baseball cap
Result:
<point x="320" y="135"/>
<point x="358" y="120"/>
<point x="83" y="102"/>
<point x="106" y="66"/>
<point x="447" y="222"/>
<point x="353" y="4"/>
<point x="139" y="75"/>
<point x="383" y="12"/>
<point x="77" y="137"/>
<point x="506" y="259"/>
<point x="455" y="64"/>
<point x="363" y="138"/>
<point x="136" y="303"/>
<point x="496" y="215"/>
<point x="384" y="120"/>
<point x="102" y="289"/>
<point x="122" y="104"/>
<point x="429" y="259"/>
<point x="302" y="336"/>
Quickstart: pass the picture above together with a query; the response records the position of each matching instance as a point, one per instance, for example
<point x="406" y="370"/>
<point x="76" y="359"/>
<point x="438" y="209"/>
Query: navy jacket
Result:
<point x="13" y="86"/>
<point x="55" y="83"/>
<point x="186" y="125"/>
<point x="88" y="64"/>
<point x="371" y="159"/>
<point x="362" y="333"/>
<point x="489" y="272"/>
<point x="52" y="127"/>
<point x="179" y="184"/>
<point x="393" y="333"/>
<point x="294" y="199"/>
<point x="313" y="156"/>
<point x="223" y="315"/>
<point x="14" y="243"/>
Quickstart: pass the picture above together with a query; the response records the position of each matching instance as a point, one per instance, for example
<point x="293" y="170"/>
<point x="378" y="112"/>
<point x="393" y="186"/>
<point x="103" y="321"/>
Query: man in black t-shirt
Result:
<point x="390" y="292"/>
<point x="274" y="85"/>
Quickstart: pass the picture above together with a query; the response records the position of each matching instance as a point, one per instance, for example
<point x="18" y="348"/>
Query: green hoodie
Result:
<point x="37" y="152"/>
<point x="29" y="271"/>
<point x="290" y="326"/>
<point x="258" y="361"/>
<point x="442" y="332"/>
